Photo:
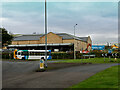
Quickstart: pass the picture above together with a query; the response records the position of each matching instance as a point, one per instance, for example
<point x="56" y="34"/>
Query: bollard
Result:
<point x="115" y="59"/>
<point x="42" y="64"/>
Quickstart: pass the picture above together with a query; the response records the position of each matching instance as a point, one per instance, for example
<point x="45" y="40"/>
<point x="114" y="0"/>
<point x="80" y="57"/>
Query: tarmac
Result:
<point x="23" y="75"/>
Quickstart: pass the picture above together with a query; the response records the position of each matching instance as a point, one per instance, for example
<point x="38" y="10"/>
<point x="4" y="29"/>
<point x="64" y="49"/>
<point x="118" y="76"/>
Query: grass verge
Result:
<point x="91" y="60"/>
<point x="105" y="79"/>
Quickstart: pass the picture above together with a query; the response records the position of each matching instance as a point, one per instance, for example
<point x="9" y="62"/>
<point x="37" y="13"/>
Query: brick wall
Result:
<point x="51" y="38"/>
<point x="25" y="42"/>
<point x="68" y="41"/>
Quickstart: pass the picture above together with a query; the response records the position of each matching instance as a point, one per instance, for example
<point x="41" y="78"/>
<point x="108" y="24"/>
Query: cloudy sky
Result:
<point x="96" y="19"/>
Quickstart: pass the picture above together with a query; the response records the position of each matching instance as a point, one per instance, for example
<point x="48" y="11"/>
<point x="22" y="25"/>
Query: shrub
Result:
<point x="7" y="55"/>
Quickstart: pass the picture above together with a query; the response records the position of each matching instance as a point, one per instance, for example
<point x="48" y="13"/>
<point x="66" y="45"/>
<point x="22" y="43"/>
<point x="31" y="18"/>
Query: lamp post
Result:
<point x="74" y="42"/>
<point x="45" y="34"/>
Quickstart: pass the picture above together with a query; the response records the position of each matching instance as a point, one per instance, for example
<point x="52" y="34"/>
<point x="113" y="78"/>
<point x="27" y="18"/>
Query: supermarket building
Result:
<point x="55" y="42"/>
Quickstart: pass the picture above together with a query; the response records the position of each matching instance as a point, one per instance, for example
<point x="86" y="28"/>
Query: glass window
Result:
<point x="42" y="53"/>
<point x="15" y="53"/>
<point x="31" y="53"/>
<point x="18" y="53"/>
<point x="24" y="53"/>
<point x="38" y="53"/>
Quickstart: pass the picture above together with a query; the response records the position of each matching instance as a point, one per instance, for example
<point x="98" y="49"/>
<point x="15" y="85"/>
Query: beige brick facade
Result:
<point x="51" y="38"/>
<point x="80" y="45"/>
<point x="68" y="41"/>
<point x="25" y="42"/>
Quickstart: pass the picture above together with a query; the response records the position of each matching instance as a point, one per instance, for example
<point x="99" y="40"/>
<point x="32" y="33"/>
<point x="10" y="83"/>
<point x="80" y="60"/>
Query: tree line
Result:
<point x="5" y="38"/>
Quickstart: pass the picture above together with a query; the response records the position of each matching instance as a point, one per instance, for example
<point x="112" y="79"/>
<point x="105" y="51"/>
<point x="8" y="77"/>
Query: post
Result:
<point x="74" y="43"/>
<point x="109" y="59"/>
<point x="45" y="34"/>
<point x="81" y="57"/>
<point x="104" y="58"/>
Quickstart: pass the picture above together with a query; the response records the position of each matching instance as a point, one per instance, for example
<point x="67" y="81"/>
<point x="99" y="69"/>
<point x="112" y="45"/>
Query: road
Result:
<point x="22" y="75"/>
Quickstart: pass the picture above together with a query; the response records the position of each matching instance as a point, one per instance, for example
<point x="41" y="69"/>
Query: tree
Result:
<point x="6" y="38"/>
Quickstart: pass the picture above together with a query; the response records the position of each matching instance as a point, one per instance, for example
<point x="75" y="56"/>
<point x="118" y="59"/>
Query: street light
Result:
<point x="74" y="42"/>
<point x="45" y="34"/>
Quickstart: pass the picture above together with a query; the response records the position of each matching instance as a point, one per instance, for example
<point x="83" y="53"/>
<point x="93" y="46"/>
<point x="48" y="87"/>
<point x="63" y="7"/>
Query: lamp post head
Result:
<point x="75" y="25"/>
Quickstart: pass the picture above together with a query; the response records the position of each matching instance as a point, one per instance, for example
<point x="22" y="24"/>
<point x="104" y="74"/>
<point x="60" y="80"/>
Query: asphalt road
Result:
<point x="22" y="75"/>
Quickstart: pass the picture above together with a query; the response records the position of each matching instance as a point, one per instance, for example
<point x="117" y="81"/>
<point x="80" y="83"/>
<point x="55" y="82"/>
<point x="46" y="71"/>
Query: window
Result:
<point x="24" y="53"/>
<point x="15" y="53"/>
<point x="31" y="53"/>
<point x="18" y="53"/>
<point x="38" y="53"/>
<point x="42" y="54"/>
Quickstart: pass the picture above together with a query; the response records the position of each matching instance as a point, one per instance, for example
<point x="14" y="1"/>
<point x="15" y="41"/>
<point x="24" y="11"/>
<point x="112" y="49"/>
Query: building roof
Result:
<point x="84" y="39"/>
<point x="27" y="37"/>
<point x="68" y="36"/>
<point x="37" y="37"/>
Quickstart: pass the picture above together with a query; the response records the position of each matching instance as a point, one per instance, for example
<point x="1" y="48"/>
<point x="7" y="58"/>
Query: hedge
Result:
<point x="61" y="55"/>
<point x="6" y="55"/>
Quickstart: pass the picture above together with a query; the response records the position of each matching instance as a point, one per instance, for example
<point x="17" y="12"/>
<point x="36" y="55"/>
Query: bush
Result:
<point x="62" y="55"/>
<point x="97" y="53"/>
<point x="7" y="55"/>
<point x="59" y="55"/>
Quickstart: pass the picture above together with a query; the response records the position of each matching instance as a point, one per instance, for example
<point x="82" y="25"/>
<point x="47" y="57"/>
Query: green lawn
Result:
<point x="91" y="60"/>
<point x="105" y="79"/>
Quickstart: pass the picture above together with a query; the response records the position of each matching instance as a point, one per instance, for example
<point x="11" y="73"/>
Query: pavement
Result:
<point x="22" y="75"/>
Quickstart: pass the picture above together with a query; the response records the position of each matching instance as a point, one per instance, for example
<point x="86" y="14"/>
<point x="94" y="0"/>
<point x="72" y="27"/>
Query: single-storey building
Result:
<point x="55" y="42"/>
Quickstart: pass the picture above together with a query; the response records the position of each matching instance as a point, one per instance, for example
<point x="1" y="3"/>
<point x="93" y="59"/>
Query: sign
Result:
<point x="110" y="54"/>
<point x="98" y="47"/>
<point x="116" y="54"/>
<point x="85" y="51"/>
<point x="106" y="54"/>
<point x="109" y="51"/>
<point x="56" y="50"/>
<point x="103" y="55"/>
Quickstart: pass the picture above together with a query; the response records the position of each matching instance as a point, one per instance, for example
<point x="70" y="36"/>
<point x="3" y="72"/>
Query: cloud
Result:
<point x="60" y="0"/>
<point x="22" y="28"/>
<point x="94" y="19"/>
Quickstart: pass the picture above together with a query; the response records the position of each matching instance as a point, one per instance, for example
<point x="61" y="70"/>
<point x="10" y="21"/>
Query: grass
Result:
<point x="91" y="60"/>
<point x="105" y="79"/>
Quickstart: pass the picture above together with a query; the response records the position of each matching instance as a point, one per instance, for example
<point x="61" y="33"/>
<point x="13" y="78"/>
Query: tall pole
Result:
<point x="45" y="34"/>
<point x="74" y="43"/>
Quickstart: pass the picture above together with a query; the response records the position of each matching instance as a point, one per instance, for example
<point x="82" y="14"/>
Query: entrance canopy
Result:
<point x="32" y="45"/>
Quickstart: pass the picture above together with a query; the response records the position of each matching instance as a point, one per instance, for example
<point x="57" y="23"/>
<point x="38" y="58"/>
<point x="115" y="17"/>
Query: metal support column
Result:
<point x="45" y="34"/>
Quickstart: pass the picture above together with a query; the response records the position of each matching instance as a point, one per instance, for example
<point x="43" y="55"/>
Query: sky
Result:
<point x="96" y="19"/>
